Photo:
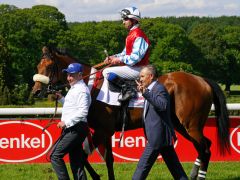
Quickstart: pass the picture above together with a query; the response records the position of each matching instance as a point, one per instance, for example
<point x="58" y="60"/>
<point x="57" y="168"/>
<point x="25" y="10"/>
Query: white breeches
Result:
<point x="126" y="72"/>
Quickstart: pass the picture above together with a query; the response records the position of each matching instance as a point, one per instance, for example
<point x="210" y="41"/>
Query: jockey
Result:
<point x="134" y="55"/>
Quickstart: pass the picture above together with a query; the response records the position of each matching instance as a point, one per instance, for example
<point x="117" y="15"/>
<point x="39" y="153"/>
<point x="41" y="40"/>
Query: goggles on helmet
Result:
<point x="125" y="13"/>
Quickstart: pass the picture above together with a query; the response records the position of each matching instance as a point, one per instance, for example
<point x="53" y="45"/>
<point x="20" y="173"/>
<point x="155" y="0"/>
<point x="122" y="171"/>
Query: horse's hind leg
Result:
<point x="205" y="155"/>
<point x="195" y="168"/>
<point x="202" y="145"/>
<point x="189" y="136"/>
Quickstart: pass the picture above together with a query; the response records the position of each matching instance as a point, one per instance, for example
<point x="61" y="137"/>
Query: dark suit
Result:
<point x="159" y="132"/>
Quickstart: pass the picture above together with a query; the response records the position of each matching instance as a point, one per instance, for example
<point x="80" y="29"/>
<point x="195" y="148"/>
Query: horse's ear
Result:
<point x="45" y="50"/>
<point x="62" y="50"/>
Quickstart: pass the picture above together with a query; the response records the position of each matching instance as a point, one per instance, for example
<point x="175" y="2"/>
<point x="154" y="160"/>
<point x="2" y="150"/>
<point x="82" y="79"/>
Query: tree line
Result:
<point x="206" y="46"/>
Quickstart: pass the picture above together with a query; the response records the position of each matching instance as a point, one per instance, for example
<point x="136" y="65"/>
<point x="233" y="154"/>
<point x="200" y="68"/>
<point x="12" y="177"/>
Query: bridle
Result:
<point x="53" y="71"/>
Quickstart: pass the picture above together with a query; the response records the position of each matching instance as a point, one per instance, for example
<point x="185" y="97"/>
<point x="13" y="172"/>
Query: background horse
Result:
<point x="191" y="100"/>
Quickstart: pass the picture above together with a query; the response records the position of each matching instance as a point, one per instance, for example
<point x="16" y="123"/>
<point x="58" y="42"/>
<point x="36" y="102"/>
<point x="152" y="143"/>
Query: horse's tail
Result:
<point x="222" y="117"/>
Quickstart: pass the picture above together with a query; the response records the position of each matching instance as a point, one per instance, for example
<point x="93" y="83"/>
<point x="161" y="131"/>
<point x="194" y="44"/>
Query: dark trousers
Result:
<point x="70" y="142"/>
<point x="149" y="157"/>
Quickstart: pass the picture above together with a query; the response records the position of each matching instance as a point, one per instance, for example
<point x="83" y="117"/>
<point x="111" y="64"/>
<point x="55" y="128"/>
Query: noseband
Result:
<point x="53" y="71"/>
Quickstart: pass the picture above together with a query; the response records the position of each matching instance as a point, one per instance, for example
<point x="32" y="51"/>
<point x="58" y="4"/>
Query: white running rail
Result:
<point x="48" y="111"/>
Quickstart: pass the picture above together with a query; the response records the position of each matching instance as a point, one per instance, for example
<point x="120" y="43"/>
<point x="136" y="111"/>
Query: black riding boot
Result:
<point x="128" y="92"/>
<point x="118" y="84"/>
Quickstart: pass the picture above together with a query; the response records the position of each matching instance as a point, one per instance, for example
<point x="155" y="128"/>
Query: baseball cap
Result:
<point x="73" y="68"/>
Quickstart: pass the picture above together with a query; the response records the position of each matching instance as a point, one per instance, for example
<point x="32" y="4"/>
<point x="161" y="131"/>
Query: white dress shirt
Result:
<point x="151" y="85"/>
<point x="76" y="104"/>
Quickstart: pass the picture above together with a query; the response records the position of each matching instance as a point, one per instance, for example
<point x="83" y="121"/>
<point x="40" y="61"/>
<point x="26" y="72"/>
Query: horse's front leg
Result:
<point x="109" y="159"/>
<point x="90" y="169"/>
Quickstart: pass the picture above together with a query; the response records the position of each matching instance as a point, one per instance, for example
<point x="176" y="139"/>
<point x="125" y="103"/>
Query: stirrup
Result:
<point x="127" y="96"/>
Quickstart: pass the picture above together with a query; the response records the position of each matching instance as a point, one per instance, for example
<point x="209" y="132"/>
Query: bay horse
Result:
<point x="191" y="100"/>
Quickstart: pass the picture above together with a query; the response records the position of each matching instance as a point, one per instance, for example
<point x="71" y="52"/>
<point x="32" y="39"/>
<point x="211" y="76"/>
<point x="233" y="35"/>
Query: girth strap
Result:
<point x="125" y="118"/>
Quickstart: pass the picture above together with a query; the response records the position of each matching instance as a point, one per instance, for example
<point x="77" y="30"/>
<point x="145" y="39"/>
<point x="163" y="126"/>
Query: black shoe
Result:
<point x="127" y="96"/>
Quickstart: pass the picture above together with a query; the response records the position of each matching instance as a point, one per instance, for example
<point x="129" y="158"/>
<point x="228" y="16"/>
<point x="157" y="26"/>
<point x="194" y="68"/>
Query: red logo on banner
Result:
<point x="235" y="139"/>
<point x="131" y="146"/>
<point x="23" y="141"/>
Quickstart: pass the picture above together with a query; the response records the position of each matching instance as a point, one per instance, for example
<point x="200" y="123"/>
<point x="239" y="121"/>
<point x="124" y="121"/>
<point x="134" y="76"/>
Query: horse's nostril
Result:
<point x="36" y="93"/>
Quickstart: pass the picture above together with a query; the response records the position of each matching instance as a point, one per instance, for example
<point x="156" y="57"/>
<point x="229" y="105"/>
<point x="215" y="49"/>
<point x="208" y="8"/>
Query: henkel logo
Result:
<point x="235" y="139"/>
<point x="131" y="146"/>
<point x="23" y="141"/>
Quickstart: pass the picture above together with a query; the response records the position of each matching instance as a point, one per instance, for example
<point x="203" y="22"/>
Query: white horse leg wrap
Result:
<point x="198" y="162"/>
<point x="202" y="174"/>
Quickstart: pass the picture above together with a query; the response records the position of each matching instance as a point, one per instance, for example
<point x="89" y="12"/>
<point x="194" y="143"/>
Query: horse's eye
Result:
<point x="50" y="65"/>
<point x="48" y="68"/>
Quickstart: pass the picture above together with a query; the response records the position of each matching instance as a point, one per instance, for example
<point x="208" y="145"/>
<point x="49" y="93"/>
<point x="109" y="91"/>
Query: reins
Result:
<point x="52" y="121"/>
<point x="96" y="66"/>
<point x="100" y="64"/>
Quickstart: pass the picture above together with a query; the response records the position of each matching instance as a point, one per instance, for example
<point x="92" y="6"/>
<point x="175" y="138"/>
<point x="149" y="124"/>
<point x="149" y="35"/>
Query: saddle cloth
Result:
<point x="111" y="98"/>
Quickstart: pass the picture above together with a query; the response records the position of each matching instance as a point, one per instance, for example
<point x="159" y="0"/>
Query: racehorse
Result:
<point x="191" y="100"/>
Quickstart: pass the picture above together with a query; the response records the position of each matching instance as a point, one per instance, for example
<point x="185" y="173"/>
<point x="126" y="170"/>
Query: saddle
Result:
<point x="121" y="86"/>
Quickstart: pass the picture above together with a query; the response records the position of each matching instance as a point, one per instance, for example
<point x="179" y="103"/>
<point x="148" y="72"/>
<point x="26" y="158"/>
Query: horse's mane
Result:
<point x="63" y="52"/>
<point x="60" y="51"/>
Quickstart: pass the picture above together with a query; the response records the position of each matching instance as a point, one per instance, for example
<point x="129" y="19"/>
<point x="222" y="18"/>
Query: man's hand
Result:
<point x="58" y="94"/>
<point x="112" y="60"/>
<point x="108" y="59"/>
<point x="61" y="125"/>
<point x="115" y="60"/>
<point x="140" y="87"/>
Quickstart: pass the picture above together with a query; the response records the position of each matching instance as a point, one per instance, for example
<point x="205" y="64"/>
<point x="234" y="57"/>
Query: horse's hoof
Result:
<point x="200" y="178"/>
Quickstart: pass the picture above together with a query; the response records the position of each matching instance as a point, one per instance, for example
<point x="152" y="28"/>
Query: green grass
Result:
<point x="216" y="170"/>
<point x="38" y="103"/>
<point x="233" y="99"/>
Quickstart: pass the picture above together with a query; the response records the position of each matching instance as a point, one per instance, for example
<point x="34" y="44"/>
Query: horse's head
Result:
<point x="47" y="72"/>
